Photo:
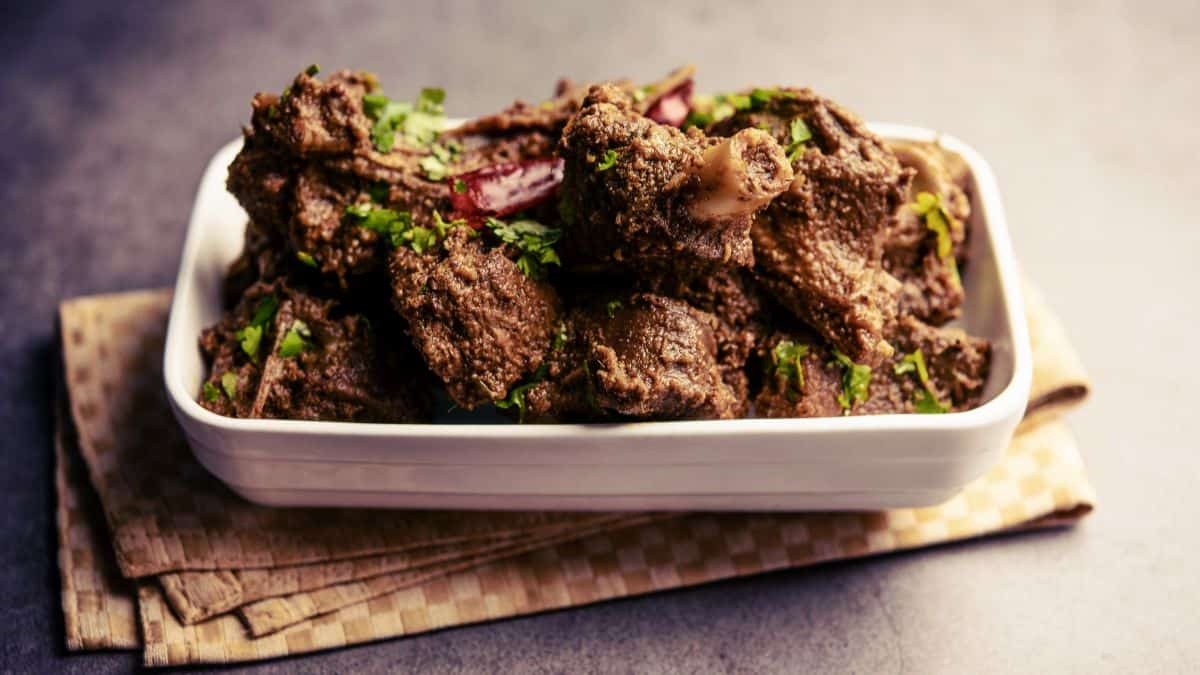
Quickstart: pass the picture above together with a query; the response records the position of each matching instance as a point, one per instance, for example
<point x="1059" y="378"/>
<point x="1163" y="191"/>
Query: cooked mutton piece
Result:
<point x="936" y="370"/>
<point x="728" y="294"/>
<point x="287" y="354"/>
<point x="480" y="323"/>
<point x="634" y="357"/>
<point x="652" y="357"/>
<point x="818" y="246"/>
<point x="634" y="189"/>
<point x="307" y="155"/>
<point x="924" y="251"/>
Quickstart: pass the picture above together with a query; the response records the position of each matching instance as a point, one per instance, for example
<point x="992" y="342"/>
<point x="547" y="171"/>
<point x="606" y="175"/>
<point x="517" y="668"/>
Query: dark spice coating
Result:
<point x="649" y="204"/>
<point x="480" y="324"/>
<point x="732" y="298"/>
<point x="355" y="370"/>
<point x="715" y="245"/>
<point x="652" y="357"/>
<point x="931" y="289"/>
<point x="957" y="365"/>
<point x="818" y="247"/>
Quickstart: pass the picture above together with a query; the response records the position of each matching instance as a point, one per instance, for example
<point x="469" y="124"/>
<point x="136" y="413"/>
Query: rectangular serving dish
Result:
<point x="843" y="463"/>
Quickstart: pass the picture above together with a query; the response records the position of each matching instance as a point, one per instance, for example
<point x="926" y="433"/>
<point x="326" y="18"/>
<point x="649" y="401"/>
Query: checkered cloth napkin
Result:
<point x="157" y="555"/>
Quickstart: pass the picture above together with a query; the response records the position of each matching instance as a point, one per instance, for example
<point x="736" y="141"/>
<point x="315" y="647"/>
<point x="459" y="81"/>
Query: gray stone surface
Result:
<point x="1087" y="112"/>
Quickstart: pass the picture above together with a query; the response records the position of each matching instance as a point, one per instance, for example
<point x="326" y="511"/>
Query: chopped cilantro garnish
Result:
<point x="306" y="258"/>
<point x="926" y="400"/>
<point x="419" y="122"/>
<point x="312" y="70"/>
<point x="611" y="308"/>
<point x="560" y="337"/>
<point x="698" y="118"/>
<point x="759" y="98"/>
<point x="926" y="403"/>
<point x="229" y="383"/>
<point x="295" y="340"/>
<point x="516" y="395"/>
<point x="785" y="364"/>
<point x="211" y="393"/>
<point x="937" y="219"/>
<point x="460" y="186"/>
<point x="516" y="399"/>
<point x="534" y="240"/>
<point x="800" y="135"/>
<point x="856" y="381"/>
<point x="441" y="156"/>
<point x="265" y="311"/>
<point x="607" y="162"/>
<point x="399" y="228"/>
<point x="250" y="335"/>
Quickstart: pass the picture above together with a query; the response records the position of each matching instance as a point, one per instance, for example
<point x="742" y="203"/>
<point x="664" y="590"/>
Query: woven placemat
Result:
<point x="167" y="513"/>
<point x="1040" y="483"/>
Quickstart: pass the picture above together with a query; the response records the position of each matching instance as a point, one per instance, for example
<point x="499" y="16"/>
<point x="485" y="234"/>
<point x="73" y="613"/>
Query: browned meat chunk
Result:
<point x="937" y="370"/>
<point x="729" y="295"/>
<point x="634" y="189"/>
<point x="924" y="250"/>
<point x="642" y="357"/>
<point x="481" y="324"/>
<point x="282" y="353"/>
<point x="652" y="357"/>
<point x="308" y="154"/>
<point x="818" y="247"/>
<point x="798" y="378"/>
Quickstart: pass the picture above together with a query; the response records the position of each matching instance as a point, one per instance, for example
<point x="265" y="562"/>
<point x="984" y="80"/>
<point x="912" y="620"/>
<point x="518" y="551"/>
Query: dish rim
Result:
<point x="1013" y="394"/>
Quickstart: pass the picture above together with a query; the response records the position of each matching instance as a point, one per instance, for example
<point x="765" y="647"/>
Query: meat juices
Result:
<point x="775" y="259"/>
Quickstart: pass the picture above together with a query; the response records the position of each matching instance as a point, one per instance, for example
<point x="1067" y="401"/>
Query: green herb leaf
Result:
<point x="399" y="229"/>
<point x="937" y="219"/>
<point x="856" y="381"/>
<point x="926" y="400"/>
<point x="295" y="340"/>
<point x="229" y="383"/>
<point x="516" y="395"/>
<point x="250" y="337"/>
<point x="926" y="403"/>
<point x="306" y="258"/>
<point x="800" y="135"/>
<point x="698" y="118"/>
<point x="211" y="393"/>
<point x="759" y="98"/>
<point x="785" y="364"/>
<point x="312" y="70"/>
<point x="420" y="122"/>
<point x="612" y="307"/>
<point x="460" y="186"/>
<point x="265" y="311"/>
<point x="610" y="158"/>
<point x="441" y="156"/>
<point x="560" y="337"/>
<point x="534" y="240"/>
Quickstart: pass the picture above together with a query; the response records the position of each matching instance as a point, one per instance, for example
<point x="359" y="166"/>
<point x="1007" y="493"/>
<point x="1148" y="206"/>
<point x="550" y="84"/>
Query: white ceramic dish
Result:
<point x="752" y="464"/>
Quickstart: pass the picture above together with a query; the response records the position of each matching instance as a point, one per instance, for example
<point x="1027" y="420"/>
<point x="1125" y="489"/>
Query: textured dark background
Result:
<point x="1087" y="112"/>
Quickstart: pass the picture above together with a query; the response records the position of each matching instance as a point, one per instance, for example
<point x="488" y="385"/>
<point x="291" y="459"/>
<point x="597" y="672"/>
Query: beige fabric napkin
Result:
<point x="117" y="341"/>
